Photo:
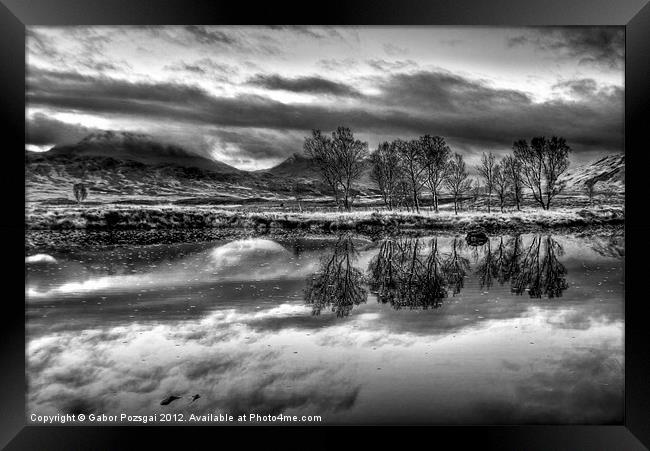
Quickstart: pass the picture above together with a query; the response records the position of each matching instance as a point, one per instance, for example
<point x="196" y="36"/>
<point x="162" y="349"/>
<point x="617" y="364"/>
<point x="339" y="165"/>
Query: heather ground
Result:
<point x="129" y="217"/>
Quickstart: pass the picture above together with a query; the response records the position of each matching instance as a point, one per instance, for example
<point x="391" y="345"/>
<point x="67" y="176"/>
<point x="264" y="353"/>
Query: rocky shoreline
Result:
<point x="41" y="240"/>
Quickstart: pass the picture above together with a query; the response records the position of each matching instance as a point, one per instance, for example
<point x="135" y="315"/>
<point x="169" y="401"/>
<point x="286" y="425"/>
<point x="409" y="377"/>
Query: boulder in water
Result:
<point x="476" y="238"/>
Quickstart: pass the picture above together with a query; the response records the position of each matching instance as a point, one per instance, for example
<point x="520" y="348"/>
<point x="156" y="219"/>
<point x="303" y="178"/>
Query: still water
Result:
<point x="521" y="329"/>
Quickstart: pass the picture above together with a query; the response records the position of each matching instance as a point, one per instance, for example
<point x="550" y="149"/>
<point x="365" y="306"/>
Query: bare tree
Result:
<point x="350" y="156"/>
<point x="319" y="148"/>
<point x="555" y="163"/>
<point x="511" y="168"/>
<point x="542" y="163"/>
<point x="403" y="196"/>
<point x="414" y="167"/>
<point x="340" y="160"/>
<point x="457" y="179"/>
<point x="386" y="172"/>
<point x="486" y="170"/>
<point x="436" y="154"/>
<point x="80" y="191"/>
<point x="500" y="184"/>
<point x="530" y="160"/>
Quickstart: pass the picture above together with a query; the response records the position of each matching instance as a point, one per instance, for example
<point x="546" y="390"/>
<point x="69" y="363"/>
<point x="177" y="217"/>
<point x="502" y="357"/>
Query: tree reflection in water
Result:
<point x="535" y="268"/>
<point x="408" y="273"/>
<point x="338" y="283"/>
<point x="416" y="273"/>
<point x="499" y="264"/>
<point x="455" y="267"/>
<point x="540" y="272"/>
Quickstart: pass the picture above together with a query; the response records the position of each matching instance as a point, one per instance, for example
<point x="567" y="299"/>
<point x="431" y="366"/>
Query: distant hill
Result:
<point x="607" y="173"/>
<point x="119" y="166"/>
<point x="296" y="166"/>
<point x="300" y="166"/>
<point x="137" y="147"/>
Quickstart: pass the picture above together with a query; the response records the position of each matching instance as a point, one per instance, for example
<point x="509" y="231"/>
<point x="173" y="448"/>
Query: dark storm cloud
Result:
<point x="42" y="130"/>
<point x="104" y="93"/>
<point x="408" y="104"/>
<point x="482" y="115"/>
<point x="309" y="84"/>
<point x="447" y="91"/>
<point x="597" y="45"/>
<point x="183" y="103"/>
<point x="260" y="144"/>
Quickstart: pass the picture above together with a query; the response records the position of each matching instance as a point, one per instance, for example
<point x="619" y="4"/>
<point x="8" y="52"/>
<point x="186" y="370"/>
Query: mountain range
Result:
<point x="140" y="148"/>
<point x="136" y="166"/>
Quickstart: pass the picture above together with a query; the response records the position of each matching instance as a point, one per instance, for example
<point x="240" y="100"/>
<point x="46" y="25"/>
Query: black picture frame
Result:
<point x="633" y="14"/>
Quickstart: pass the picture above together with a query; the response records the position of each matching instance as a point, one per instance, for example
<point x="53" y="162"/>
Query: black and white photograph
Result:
<point x="325" y="225"/>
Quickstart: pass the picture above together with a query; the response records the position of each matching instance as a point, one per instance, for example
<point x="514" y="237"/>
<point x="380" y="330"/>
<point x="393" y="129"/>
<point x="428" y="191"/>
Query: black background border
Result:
<point x="633" y="14"/>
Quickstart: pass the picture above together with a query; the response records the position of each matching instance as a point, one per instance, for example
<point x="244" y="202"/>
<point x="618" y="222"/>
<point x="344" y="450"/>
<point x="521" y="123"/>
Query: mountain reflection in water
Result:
<point x="523" y="329"/>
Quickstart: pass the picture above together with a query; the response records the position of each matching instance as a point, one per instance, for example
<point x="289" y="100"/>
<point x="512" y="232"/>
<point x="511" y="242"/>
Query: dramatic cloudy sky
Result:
<point x="249" y="95"/>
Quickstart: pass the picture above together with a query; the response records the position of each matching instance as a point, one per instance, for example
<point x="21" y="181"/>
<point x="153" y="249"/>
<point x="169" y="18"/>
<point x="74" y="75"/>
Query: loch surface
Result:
<point x="518" y="329"/>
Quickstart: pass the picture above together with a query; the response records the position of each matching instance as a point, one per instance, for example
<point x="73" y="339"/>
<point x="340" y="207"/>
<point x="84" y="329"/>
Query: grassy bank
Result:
<point x="143" y="217"/>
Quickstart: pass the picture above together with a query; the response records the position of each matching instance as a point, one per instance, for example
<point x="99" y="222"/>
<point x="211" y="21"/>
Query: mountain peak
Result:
<point x="139" y="147"/>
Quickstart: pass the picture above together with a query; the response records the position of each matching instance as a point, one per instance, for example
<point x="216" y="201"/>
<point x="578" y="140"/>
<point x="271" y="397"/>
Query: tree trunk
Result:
<point x="415" y="200"/>
<point x="489" y="200"/>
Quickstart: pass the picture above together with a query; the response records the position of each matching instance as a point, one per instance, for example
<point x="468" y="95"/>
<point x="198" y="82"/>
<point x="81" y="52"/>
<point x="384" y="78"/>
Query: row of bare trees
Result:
<point x="536" y="166"/>
<point x="402" y="170"/>
<point x="429" y="163"/>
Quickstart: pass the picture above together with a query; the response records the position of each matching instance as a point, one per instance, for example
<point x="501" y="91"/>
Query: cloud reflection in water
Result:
<point x="480" y="354"/>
